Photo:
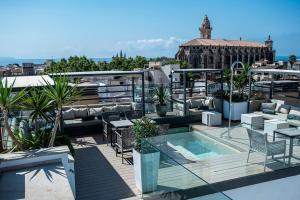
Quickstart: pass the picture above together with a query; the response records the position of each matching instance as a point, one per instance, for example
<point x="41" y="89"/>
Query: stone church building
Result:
<point x="205" y="52"/>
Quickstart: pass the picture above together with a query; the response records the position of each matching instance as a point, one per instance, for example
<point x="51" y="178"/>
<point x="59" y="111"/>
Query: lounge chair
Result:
<point x="259" y="143"/>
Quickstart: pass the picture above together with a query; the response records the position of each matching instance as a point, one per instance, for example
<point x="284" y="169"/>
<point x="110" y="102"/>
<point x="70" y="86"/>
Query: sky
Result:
<point x="151" y="28"/>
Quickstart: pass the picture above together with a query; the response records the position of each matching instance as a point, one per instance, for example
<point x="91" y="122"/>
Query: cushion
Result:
<point x="285" y="109"/>
<point x="68" y="114"/>
<point x="293" y="116"/>
<point x="269" y="111"/>
<point x="278" y="103"/>
<point x="196" y="103"/>
<point x="96" y="111"/>
<point x="87" y="118"/>
<point x="294" y="110"/>
<point x="188" y="103"/>
<point x="209" y="102"/>
<point x="80" y="112"/>
<point x="136" y="106"/>
<point x="268" y="106"/>
<point x="122" y="108"/>
<point x="109" y="108"/>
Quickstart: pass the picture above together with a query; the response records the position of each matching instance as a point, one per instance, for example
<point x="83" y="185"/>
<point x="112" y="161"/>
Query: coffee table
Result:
<point x="290" y="133"/>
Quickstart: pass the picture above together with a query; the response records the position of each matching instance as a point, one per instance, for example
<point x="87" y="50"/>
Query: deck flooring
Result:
<point x="99" y="174"/>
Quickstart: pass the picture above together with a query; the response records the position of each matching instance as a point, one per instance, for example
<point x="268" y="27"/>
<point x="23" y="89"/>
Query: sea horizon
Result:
<point x="4" y="61"/>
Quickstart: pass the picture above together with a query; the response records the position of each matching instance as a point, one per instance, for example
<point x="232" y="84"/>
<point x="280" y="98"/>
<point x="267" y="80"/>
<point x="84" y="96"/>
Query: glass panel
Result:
<point x="165" y="178"/>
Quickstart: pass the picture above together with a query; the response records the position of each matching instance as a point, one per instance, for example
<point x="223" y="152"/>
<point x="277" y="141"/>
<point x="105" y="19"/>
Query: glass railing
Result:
<point x="165" y="178"/>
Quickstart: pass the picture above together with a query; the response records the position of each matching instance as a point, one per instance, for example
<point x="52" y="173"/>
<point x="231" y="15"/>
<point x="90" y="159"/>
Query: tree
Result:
<point x="59" y="94"/>
<point x="37" y="101"/>
<point x="292" y="60"/>
<point x="10" y="101"/>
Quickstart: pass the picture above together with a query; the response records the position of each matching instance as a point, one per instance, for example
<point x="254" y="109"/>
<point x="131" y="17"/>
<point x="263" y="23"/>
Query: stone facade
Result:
<point x="205" y="52"/>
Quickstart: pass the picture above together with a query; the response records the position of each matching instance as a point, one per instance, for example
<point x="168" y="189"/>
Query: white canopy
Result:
<point x="27" y="81"/>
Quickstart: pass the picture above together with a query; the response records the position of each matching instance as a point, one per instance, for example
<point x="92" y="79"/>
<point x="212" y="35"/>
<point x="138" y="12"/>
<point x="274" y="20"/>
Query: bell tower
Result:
<point x="205" y="29"/>
<point x="269" y="43"/>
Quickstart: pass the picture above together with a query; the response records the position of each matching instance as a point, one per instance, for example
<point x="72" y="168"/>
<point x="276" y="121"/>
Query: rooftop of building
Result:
<point x="222" y="42"/>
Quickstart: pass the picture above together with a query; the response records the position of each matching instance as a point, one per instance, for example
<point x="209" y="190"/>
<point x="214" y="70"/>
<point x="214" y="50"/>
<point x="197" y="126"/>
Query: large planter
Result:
<point x="146" y="170"/>
<point x="161" y="110"/>
<point x="238" y="108"/>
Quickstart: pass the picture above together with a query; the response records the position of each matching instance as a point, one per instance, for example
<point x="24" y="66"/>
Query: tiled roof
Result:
<point x="221" y="42"/>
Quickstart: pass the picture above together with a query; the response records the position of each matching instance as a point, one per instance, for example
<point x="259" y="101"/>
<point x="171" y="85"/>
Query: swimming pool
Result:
<point x="196" y="146"/>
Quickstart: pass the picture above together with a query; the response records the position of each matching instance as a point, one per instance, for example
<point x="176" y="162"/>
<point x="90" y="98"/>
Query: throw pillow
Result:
<point x="268" y="106"/>
<point x="269" y="111"/>
<point x="96" y="111"/>
<point x="293" y="117"/>
<point x="195" y="103"/>
<point x="68" y="114"/>
<point x="80" y="112"/>
<point x="295" y="111"/>
<point x="285" y="109"/>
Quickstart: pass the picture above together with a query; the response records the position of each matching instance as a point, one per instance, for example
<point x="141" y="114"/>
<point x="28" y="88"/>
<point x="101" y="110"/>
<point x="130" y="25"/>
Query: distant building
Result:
<point x="296" y="65"/>
<point x="16" y="69"/>
<point x="5" y="71"/>
<point x="27" y="69"/>
<point x="205" y="52"/>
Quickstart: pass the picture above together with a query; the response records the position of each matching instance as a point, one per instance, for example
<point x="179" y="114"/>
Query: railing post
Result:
<point x="143" y="93"/>
<point x="206" y="92"/>
<point x="271" y="89"/>
<point x="132" y="89"/>
<point x="250" y="90"/>
<point x="171" y="90"/>
<point x="222" y="93"/>
<point x="184" y="93"/>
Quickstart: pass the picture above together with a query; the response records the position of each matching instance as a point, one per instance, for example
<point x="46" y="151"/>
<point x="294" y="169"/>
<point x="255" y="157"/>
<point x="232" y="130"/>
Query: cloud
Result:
<point x="148" y="44"/>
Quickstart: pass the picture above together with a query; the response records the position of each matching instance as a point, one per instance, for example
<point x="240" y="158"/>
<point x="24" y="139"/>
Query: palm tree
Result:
<point x="292" y="60"/>
<point x="10" y="101"/>
<point x="37" y="101"/>
<point x="60" y="93"/>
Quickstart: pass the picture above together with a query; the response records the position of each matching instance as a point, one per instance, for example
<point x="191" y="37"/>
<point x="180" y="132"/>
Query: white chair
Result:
<point x="259" y="143"/>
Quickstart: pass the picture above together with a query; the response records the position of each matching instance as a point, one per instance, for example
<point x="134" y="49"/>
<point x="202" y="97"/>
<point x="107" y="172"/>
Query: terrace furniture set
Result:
<point x="277" y="120"/>
<point x="119" y="131"/>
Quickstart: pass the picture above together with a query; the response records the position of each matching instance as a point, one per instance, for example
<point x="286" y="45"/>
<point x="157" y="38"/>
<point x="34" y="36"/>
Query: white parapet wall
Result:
<point x="18" y="161"/>
<point x="285" y="188"/>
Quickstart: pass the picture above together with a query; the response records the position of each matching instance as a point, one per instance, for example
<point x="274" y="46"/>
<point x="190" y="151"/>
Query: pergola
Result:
<point x="129" y="74"/>
<point x="184" y="73"/>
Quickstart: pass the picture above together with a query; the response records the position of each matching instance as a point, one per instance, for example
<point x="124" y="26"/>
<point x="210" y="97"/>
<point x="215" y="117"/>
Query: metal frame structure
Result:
<point x="129" y="74"/>
<point x="271" y="72"/>
<point x="184" y="74"/>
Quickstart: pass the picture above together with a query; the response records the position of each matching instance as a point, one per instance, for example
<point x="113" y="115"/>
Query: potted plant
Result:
<point x="161" y="94"/>
<point x="239" y="104"/>
<point x="145" y="158"/>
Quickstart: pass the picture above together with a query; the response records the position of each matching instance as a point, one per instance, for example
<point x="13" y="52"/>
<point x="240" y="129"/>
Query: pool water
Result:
<point x="195" y="145"/>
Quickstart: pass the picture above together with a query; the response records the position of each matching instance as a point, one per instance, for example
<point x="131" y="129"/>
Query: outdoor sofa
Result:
<point x="194" y="106"/>
<point x="282" y="111"/>
<point x="87" y="119"/>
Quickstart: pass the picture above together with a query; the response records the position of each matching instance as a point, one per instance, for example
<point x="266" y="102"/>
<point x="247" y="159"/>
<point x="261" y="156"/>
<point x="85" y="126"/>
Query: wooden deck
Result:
<point x="101" y="175"/>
